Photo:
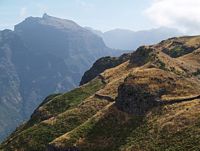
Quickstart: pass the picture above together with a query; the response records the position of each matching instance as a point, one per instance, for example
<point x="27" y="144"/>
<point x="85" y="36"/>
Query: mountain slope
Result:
<point x="10" y="84"/>
<point x="43" y="55"/>
<point x="149" y="102"/>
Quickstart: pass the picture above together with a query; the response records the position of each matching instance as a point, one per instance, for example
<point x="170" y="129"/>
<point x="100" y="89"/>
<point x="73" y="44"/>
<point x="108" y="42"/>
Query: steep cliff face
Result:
<point x="11" y="99"/>
<point x="43" y="55"/>
<point x="149" y="104"/>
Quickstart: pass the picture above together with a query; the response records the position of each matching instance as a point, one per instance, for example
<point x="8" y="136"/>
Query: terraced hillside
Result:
<point x="150" y="102"/>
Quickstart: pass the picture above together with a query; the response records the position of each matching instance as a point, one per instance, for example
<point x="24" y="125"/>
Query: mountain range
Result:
<point x="130" y="40"/>
<point x="43" y="55"/>
<point x="145" y="100"/>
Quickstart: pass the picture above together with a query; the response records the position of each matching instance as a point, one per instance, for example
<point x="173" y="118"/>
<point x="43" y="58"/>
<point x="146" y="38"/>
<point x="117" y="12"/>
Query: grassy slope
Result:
<point x="69" y="115"/>
<point x="113" y="130"/>
<point x="172" y="127"/>
<point x="79" y="119"/>
<point x="61" y="103"/>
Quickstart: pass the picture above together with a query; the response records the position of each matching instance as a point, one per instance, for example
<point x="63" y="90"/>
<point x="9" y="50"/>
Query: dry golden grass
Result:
<point x="177" y="116"/>
<point x="162" y="72"/>
<point x="191" y="59"/>
<point x="97" y="124"/>
<point x="60" y="141"/>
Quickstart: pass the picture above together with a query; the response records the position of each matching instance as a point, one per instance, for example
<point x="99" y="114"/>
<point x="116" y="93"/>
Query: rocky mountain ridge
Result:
<point x="130" y="40"/>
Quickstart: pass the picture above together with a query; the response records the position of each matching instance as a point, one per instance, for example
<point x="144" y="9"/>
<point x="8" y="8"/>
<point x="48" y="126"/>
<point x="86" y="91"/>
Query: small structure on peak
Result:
<point x="45" y="15"/>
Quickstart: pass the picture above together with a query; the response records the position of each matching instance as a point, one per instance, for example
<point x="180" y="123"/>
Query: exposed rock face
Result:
<point x="135" y="99"/>
<point x="11" y="100"/>
<point x="101" y="65"/>
<point x="142" y="55"/>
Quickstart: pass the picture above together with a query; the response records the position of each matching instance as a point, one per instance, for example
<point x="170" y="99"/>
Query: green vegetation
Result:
<point x="36" y="137"/>
<point x="60" y="103"/>
<point x="107" y="132"/>
<point x="72" y="98"/>
<point x="186" y="140"/>
<point x="197" y="72"/>
<point x="179" y="50"/>
<point x="39" y="135"/>
<point x="81" y="119"/>
<point x="161" y="64"/>
<point x="103" y="132"/>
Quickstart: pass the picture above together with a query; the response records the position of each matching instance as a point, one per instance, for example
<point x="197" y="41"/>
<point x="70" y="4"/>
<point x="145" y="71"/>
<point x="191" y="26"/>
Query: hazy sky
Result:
<point x="108" y="14"/>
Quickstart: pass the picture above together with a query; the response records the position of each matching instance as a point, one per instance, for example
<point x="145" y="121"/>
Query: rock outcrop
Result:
<point x="101" y="65"/>
<point x="134" y="99"/>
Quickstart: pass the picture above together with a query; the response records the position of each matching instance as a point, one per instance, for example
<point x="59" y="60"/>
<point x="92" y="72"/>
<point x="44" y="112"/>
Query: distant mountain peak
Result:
<point x="49" y="21"/>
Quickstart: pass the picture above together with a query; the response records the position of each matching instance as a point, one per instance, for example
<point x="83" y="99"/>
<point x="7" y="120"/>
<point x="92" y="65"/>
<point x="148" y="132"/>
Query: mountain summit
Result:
<point x="51" y="21"/>
<point x="146" y="100"/>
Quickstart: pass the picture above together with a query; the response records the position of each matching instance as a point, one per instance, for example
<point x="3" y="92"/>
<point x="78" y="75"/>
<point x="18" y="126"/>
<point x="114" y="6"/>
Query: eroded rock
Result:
<point x="135" y="99"/>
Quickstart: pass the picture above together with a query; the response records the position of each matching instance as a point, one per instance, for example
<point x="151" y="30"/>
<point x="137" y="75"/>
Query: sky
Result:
<point x="105" y="15"/>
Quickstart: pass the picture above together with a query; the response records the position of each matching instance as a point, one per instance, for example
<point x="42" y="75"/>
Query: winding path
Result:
<point x="104" y="97"/>
<point x="173" y="101"/>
